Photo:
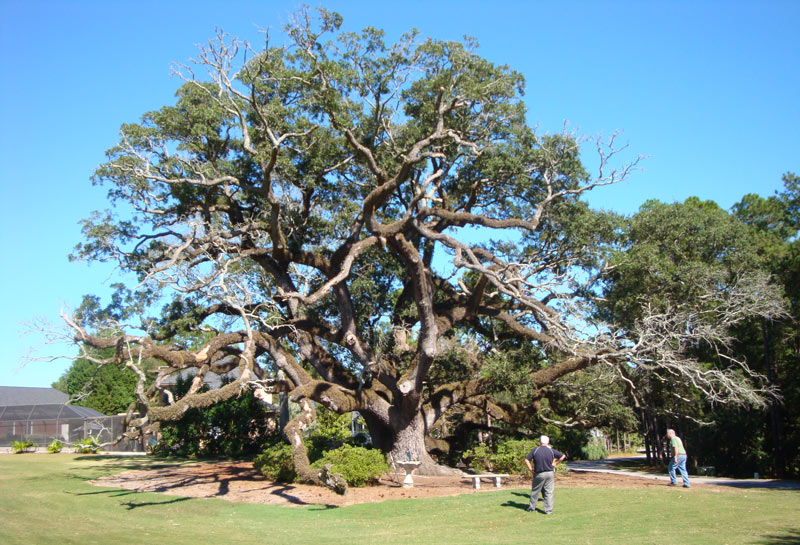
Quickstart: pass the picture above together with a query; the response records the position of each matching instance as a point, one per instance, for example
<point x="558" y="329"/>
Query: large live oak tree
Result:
<point x="336" y="217"/>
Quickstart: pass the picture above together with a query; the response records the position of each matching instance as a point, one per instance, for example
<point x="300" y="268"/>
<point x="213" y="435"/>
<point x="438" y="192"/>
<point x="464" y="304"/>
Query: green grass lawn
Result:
<point x="45" y="499"/>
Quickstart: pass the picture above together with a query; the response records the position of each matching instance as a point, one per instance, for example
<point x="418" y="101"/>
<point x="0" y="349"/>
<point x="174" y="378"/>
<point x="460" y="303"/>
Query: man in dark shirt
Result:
<point x="545" y="459"/>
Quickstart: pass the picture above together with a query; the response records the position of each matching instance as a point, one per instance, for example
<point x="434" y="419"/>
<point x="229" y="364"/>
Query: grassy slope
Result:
<point x="44" y="499"/>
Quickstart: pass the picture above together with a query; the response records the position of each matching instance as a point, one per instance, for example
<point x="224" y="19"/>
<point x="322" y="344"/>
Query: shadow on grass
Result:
<point x="284" y="490"/>
<point x="516" y="504"/>
<point x="169" y="478"/>
<point x="791" y="538"/>
<point x="129" y="505"/>
<point x="137" y="462"/>
<point x="110" y="464"/>
<point x="113" y="492"/>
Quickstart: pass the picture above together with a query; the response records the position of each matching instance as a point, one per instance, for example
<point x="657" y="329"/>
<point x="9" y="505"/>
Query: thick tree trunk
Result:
<point x="409" y="444"/>
<point x="775" y="417"/>
<point x="655" y="448"/>
<point x="406" y="442"/>
<point x="648" y="445"/>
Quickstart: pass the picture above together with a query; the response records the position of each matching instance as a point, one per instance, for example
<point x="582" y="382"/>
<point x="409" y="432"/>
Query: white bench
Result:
<point x="476" y="479"/>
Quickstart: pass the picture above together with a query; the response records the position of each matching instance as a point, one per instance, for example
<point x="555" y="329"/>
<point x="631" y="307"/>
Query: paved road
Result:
<point x="607" y="466"/>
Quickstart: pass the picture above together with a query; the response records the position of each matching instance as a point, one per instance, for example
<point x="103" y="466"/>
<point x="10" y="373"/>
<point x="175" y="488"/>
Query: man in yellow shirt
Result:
<point x="677" y="460"/>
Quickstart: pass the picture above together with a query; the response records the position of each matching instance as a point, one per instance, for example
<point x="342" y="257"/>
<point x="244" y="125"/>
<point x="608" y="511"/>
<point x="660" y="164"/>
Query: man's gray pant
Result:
<point x="544" y="482"/>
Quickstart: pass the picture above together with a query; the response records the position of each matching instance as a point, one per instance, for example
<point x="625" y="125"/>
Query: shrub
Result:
<point x="55" y="446"/>
<point x="328" y="424"/>
<point x="235" y="428"/>
<point x="87" y="445"/>
<point x="329" y="431"/>
<point x="318" y="445"/>
<point x="480" y="459"/>
<point x="510" y="456"/>
<point x="357" y="465"/>
<point x="22" y="446"/>
<point x="569" y="440"/>
<point x="276" y="463"/>
<point x="594" y="450"/>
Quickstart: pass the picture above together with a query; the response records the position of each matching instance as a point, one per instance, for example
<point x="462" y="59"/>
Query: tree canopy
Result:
<point x="374" y="228"/>
<point x="108" y="389"/>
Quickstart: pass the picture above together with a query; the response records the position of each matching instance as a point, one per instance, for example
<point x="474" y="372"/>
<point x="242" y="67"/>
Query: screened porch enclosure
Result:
<point x="43" y="423"/>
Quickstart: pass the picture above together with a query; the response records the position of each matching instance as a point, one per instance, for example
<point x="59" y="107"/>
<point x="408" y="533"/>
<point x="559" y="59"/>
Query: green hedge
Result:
<point x="359" y="466"/>
<point x="276" y="463"/>
<point x="508" y="457"/>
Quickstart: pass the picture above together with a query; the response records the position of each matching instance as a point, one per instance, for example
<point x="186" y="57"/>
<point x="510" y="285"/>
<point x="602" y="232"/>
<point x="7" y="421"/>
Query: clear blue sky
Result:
<point x="707" y="90"/>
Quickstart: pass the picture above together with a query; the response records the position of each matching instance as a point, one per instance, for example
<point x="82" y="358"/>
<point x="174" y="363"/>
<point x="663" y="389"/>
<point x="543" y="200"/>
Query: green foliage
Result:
<point x="87" y="445"/>
<point x="776" y="345"/>
<point x="735" y="442"/>
<point x="109" y="389"/>
<point x="330" y="425"/>
<point x="510" y="455"/>
<point x="567" y="440"/>
<point x="510" y="369"/>
<point x="562" y="469"/>
<point x="594" y="450"/>
<point x="272" y="169"/>
<point x="480" y="458"/>
<point x="55" y="446"/>
<point x="456" y="360"/>
<point x="507" y="457"/>
<point x="276" y="463"/>
<point x="594" y="396"/>
<point x="670" y="248"/>
<point x="329" y="431"/>
<point x="235" y="428"/>
<point x="358" y="465"/>
<point x="22" y="446"/>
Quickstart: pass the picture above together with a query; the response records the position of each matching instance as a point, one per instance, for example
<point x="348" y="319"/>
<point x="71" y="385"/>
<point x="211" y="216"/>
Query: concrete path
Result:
<point x="607" y="466"/>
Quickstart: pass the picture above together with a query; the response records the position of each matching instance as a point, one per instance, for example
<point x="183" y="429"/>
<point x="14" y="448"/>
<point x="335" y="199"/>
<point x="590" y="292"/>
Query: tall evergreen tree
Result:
<point x="108" y="388"/>
<point x="777" y="344"/>
<point x="672" y="251"/>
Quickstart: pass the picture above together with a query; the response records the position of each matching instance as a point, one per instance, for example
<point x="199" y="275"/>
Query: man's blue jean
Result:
<point x="680" y="465"/>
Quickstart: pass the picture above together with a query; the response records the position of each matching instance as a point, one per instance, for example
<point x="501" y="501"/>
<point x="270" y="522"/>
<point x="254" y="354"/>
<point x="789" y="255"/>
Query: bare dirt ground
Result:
<point x="240" y="482"/>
